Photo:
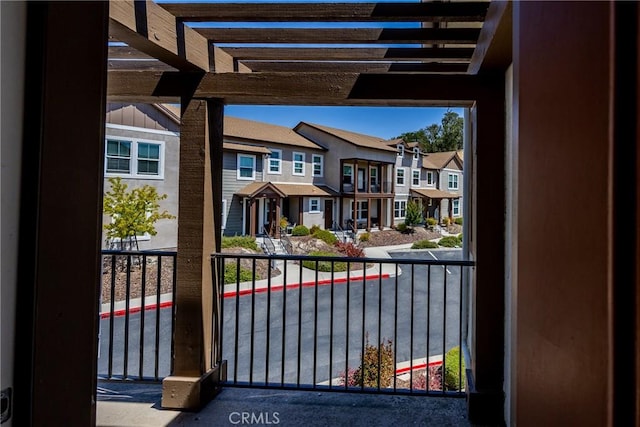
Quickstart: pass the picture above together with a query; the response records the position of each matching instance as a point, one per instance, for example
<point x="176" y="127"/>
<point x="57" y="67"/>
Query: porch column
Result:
<point x="368" y="214"/>
<point x="300" y="210"/>
<point x="277" y="218"/>
<point x="381" y="213"/>
<point x="192" y="383"/>
<point x="252" y="217"/>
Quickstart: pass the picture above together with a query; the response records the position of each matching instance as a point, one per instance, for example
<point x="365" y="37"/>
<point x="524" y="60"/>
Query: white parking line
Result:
<point x="434" y="257"/>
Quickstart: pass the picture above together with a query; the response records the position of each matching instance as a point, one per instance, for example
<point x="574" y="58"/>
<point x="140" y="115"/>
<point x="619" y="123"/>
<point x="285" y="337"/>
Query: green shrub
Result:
<point x="432" y="221"/>
<point x="446" y="220"/>
<point x="324" y="265"/>
<point x="300" y="230"/>
<point x="459" y="237"/>
<point x="454" y="373"/>
<point x="367" y="373"/>
<point x="247" y="242"/>
<point x="284" y="222"/>
<point x="413" y="214"/>
<point x="314" y="229"/>
<point x="404" y="228"/>
<point x="230" y="271"/>
<point x="325" y="235"/>
<point x="458" y="220"/>
<point x="449" y="242"/>
<point x="424" y="244"/>
<point x="364" y="237"/>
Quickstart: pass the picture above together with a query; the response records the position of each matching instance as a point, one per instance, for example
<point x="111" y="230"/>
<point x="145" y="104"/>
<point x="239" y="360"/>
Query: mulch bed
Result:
<point x="394" y="237"/>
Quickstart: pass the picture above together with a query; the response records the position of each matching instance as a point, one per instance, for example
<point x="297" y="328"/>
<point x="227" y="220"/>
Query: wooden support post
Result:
<point x="192" y="384"/>
<point x="381" y="214"/>
<point x="368" y="214"/>
<point x="252" y="217"/>
<point x="300" y="210"/>
<point x="276" y="220"/>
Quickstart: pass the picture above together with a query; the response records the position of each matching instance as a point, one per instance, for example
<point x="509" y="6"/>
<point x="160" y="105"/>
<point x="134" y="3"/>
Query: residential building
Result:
<point x="361" y="168"/>
<point x="142" y="147"/>
<point x="441" y="191"/>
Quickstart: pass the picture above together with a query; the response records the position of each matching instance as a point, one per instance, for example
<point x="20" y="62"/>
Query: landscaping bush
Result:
<point x="432" y="222"/>
<point x="404" y="228"/>
<point x="367" y="373"/>
<point x="300" y="230"/>
<point x="446" y="221"/>
<point x="230" y="271"/>
<point x="458" y="220"/>
<point x="314" y="229"/>
<point x="424" y="244"/>
<point x="413" y="214"/>
<point x="459" y="237"/>
<point x="247" y="242"/>
<point x="364" y="237"/>
<point x="454" y="374"/>
<point x="324" y="265"/>
<point x="326" y="236"/>
<point x="450" y="242"/>
<point x="349" y="249"/>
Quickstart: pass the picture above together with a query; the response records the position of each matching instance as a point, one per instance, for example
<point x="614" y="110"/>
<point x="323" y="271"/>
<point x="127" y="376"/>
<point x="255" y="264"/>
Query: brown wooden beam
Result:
<point x="493" y="51"/>
<point x="297" y="88"/>
<point x="354" y="67"/>
<point x="350" y="54"/>
<point x="152" y="30"/>
<point x="126" y="52"/>
<point x="330" y="12"/>
<point x="341" y="35"/>
<point x="142" y="65"/>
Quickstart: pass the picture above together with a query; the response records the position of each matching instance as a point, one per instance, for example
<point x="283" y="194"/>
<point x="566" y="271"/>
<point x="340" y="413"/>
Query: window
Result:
<point x="400" y="150"/>
<point x="347" y="174"/>
<point x="456" y="207"/>
<point x="430" y="178"/>
<point x="362" y="209"/>
<point x="415" y="177"/>
<point x="118" y="156"/>
<point x="373" y="177"/>
<point x="453" y="181"/>
<point x="318" y="164"/>
<point x="314" y="205"/>
<point x="275" y="161"/>
<point x="133" y="158"/>
<point x="400" y="176"/>
<point x="416" y="153"/>
<point x="399" y="208"/>
<point x="298" y="163"/>
<point x="246" y="167"/>
<point x="148" y="158"/>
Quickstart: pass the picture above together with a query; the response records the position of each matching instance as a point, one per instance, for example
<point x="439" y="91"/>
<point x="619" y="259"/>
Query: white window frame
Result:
<point x="133" y="158"/>
<point x="359" y="209"/>
<point x="400" y="150"/>
<point x="312" y="201"/>
<point x="294" y="162"/>
<point x="314" y="163"/>
<point x="455" y="207"/>
<point x="416" y="153"/>
<point x="253" y="169"/>
<point x="404" y="177"/>
<point x="452" y="181"/>
<point x="431" y="182"/>
<point x="400" y="209"/>
<point x="277" y="161"/>
<point x="413" y="177"/>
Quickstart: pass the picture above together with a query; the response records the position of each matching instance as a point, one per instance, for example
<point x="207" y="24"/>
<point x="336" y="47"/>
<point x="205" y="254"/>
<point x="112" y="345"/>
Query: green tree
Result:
<point x="133" y="212"/>
<point x="446" y="136"/>
<point x="413" y="215"/>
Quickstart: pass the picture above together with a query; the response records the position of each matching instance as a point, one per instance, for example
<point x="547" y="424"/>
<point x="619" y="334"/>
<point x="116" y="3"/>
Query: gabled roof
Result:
<point x="170" y="110"/>
<point x="250" y="130"/>
<point x="439" y="160"/>
<point x="245" y="148"/>
<point x="432" y="193"/>
<point x="357" y="139"/>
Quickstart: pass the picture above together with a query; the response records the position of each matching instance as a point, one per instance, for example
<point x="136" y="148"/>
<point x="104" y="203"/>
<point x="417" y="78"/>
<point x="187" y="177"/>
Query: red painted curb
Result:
<point x="231" y="294"/>
<point x="414" y="367"/>
<point x="324" y="282"/>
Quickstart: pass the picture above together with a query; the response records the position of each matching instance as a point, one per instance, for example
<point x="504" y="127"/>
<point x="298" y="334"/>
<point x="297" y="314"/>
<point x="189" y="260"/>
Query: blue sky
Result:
<point x="384" y="122"/>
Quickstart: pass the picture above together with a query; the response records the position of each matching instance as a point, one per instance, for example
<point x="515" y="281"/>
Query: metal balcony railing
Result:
<point x="343" y="324"/>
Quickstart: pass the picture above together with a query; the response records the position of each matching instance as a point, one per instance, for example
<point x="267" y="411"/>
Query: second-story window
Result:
<point x="347" y="174"/>
<point x="453" y="181"/>
<point x="275" y="161"/>
<point x="118" y="156"/>
<point x="298" y="163"/>
<point x="416" y="153"/>
<point x="318" y="164"/>
<point x="133" y="158"/>
<point x="415" y="178"/>
<point x="373" y="177"/>
<point x="148" y="158"/>
<point x="400" y="176"/>
<point x="430" y="180"/>
<point x="400" y="150"/>
<point x="246" y="167"/>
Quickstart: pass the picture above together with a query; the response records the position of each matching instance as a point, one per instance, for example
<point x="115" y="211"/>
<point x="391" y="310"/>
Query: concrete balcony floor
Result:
<point x="135" y="404"/>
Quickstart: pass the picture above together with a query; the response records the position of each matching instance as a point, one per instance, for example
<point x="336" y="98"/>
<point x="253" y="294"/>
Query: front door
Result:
<point x="328" y="214"/>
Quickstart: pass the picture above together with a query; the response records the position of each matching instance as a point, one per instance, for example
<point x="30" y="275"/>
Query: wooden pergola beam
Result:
<point x="152" y="30"/>
<point x="300" y="89"/>
<point x="342" y="35"/>
<point x="349" y="54"/>
<point x="354" y="67"/>
<point x="330" y="12"/>
<point x="494" y="46"/>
